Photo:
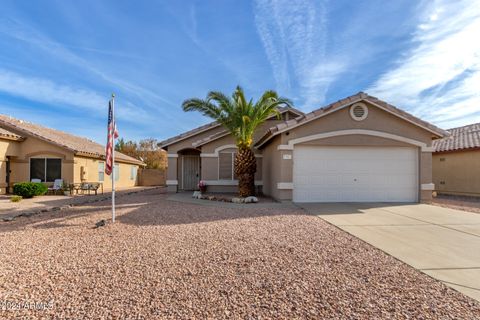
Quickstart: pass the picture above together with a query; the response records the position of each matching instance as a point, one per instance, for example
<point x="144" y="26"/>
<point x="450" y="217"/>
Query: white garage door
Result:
<point x="355" y="174"/>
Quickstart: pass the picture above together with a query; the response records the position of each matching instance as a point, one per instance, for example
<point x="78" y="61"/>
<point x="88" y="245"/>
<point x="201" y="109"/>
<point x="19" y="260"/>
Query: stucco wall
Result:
<point x="278" y="181"/>
<point x="151" y="177"/>
<point x="7" y="148"/>
<point x="90" y="166"/>
<point x="35" y="148"/>
<point x="209" y="164"/>
<point x="458" y="172"/>
<point x="377" y="119"/>
<point x="277" y="166"/>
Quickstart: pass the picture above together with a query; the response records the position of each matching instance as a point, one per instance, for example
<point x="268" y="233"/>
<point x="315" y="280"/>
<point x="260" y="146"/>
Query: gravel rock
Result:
<point x="170" y="260"/>
<point x="238" y="200"/>
<point x="251" y="199"/>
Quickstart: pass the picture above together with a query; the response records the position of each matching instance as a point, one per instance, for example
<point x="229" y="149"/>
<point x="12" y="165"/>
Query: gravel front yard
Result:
<point x="470" y="204"/>
<point x="166" y="259"/>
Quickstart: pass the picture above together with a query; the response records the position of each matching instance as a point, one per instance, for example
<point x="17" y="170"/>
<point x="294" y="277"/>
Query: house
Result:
<point x="456" y="162"/>
<point x="30" y="151"/>
<point x="358" y="149"/>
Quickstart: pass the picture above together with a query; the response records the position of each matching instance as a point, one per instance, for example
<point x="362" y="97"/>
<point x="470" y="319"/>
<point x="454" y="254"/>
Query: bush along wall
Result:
<point x="29" y="189"/>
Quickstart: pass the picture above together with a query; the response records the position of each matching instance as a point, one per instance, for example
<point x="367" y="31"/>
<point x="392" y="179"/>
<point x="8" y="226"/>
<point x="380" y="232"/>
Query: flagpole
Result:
<point x="113" y="158"/>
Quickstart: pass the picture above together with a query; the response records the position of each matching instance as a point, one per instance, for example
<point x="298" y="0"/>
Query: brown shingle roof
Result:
<point x="467" y="137"/>
<point x="78" y="145"/>
<point x="342" y="103"/>
<point x="211" y="125"/>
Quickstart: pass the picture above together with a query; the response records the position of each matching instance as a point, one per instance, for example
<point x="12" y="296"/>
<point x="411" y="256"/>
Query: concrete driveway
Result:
<point x="441" y="242"/>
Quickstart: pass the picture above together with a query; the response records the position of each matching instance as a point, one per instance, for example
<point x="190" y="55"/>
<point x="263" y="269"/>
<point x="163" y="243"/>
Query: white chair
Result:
<point x="57" y="186"/>
<point x="36" y="180"/>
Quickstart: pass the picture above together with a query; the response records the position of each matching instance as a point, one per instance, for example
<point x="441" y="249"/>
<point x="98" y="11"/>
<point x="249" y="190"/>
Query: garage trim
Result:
<point x="380" y="134"/>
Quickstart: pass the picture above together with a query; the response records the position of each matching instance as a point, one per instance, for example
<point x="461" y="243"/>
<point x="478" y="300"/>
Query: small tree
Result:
<point x="146" y="150"/>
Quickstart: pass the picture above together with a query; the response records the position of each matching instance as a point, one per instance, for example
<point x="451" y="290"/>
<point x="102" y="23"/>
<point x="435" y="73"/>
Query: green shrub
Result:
<point x="16" y="198"/>
<point x="29" y="189"/>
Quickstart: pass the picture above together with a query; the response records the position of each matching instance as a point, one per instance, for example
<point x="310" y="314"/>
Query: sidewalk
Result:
<point x="28" y="207"/>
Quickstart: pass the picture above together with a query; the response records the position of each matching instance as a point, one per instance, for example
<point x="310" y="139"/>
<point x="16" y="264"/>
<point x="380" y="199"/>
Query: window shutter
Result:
<point x="225" y="165"/>
<point x="258" y="173"/>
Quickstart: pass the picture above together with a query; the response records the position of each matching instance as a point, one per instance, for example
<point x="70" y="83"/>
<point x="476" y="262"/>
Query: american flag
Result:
<point x="112" y="135"/>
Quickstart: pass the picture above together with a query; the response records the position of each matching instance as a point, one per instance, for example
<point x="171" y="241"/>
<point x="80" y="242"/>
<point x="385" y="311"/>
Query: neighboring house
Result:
<point x="358" y="149"/>
<point x="456" y="162"/>
<point x="30" y="151"/>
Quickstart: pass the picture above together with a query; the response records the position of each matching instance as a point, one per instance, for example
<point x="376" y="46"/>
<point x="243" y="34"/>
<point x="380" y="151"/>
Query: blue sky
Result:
<point x="61" y="60"/>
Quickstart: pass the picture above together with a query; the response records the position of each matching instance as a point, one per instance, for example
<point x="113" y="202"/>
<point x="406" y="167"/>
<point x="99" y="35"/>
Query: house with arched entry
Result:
<point x="358" y="149"/>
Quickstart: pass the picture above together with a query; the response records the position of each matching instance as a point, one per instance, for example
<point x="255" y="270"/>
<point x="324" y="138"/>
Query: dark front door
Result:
<point x="191" y="172"/>
<point x="7" y="175"/>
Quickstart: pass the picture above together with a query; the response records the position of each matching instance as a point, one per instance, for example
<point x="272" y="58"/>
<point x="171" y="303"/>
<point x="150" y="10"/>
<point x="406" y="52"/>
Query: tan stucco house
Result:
<point x="456" y="162"/>
<point x="358" y="149"/>
<point x="30" y="151"/>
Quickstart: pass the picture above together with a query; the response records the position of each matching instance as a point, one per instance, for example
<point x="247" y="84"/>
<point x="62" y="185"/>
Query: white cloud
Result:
<point x="439" y="79"/>
<point x="28" y="34"/>
<point x="294" y="36"/>
<point x="46" y="91"/>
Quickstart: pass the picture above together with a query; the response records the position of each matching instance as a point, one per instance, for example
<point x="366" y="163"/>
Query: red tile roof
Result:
<point x="78" y="145"/>
<point x="4" y="133"/>
<point x="209" y="126"/>
<point x="467" y="137"/>
<point x="342" y="103"/>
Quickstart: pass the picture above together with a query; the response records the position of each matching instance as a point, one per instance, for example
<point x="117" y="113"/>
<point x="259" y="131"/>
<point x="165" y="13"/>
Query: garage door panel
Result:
<point x="355" y="174"/>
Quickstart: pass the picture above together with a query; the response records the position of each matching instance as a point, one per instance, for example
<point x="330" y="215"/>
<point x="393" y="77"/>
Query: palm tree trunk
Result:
<point x="245" y="168"/>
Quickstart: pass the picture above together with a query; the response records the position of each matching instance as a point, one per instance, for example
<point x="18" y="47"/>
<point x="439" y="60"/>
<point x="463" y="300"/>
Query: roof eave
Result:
<point x="361" y="96"/>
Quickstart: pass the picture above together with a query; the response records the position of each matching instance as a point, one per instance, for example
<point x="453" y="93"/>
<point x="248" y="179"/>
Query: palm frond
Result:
<point x="236" y="114"/>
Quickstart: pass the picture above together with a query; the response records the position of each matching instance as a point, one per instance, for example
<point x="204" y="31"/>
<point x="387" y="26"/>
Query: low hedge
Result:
<point x="29" y="189"/>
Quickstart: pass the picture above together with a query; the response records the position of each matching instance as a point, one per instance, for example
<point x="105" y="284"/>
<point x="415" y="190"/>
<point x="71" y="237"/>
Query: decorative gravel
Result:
<point x="470" y="204"/>
<point x="165" y="259"/>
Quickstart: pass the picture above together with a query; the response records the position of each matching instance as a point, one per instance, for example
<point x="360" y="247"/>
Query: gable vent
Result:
<point x="358" y="111"/>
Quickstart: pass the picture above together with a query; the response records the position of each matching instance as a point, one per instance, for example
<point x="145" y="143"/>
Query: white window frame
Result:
<point x="133" y="172"/>
<point x="101" y="171"/>
<point x="45" y="169"/>
<point x="117" y="173"/>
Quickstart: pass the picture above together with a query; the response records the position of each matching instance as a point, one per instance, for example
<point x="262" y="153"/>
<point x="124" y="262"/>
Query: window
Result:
<point x="226" y="162"/>
<point x="116" y="169"/>
<point x="101" y="171"/>
<point x="133" y="173"/>
<point x="45" y="169"/>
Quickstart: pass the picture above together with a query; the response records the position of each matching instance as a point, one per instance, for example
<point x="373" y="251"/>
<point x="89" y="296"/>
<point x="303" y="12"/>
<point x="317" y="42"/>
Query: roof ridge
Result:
<point x="346" y="101"/>
<point x="46" y="127"/>
<point x="74" y="143"/>
<point x="213" y="124"/>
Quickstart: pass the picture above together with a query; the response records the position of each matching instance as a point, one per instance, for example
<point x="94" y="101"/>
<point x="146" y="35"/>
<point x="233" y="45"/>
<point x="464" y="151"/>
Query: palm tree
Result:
<point x="241" y="118"/>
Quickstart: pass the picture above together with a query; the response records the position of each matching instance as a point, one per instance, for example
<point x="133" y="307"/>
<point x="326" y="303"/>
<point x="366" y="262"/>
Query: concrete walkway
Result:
<point x="441" y="242"/>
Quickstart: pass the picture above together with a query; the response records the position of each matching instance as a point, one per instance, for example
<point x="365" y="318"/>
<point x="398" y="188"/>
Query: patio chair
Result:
<point x="85" y="186"/>
<point x="57" y="186"/>
<point x="36" y="180"/>
<point x="94" y="187"/>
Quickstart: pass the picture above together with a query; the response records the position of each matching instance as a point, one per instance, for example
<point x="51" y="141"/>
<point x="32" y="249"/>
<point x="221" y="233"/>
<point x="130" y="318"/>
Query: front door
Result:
<point x="191" y="172"/>
<point x="7" y="175"/>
